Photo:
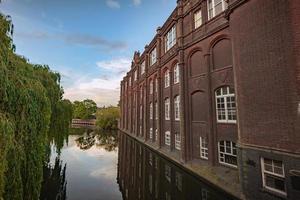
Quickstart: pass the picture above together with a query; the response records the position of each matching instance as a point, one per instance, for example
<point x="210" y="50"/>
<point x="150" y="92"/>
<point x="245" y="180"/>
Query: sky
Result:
<point x="89" y="42"/>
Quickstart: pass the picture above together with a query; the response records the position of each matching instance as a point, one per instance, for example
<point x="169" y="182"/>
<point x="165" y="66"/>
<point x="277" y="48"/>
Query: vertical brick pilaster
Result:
<point x="183" y="131"/>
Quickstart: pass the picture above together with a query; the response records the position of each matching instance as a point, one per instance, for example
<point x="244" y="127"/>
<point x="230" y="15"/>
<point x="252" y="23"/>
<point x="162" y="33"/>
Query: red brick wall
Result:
<point x="266" y="72"/>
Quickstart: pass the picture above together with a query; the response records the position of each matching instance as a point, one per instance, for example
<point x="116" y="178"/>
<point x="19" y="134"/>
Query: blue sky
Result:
<point x="90" y="42"/>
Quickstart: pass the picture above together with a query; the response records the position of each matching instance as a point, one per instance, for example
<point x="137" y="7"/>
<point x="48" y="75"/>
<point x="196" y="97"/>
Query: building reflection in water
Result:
<point x="143" y="174"/>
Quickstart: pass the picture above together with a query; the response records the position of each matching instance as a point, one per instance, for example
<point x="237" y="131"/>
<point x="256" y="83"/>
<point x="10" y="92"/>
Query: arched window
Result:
<point x="167" y="78"/>
<point x="177" y="107"/>
<point x="176" y="73"/>
<point x="227" y="153"/>
<point x="167" y="109"/>
<point x="225" y="105"/>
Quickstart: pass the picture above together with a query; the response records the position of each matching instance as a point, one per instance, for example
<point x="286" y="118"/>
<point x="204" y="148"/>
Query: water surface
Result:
<point x="86" y="168"/>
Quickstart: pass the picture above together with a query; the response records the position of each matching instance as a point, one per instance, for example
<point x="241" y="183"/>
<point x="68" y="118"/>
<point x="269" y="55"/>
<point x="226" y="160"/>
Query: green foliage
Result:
<point x="107" y="118"/>
<point x="59" y="131"/>
<point x="84" y="109"/>
<point x="30" y="97"/>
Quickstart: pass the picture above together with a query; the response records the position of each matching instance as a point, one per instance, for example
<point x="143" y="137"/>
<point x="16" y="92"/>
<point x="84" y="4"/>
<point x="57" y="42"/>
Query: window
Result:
<point x="151" y="86"/>
<point x="168" y="172"/>
<point x="156" y="110"/>
<point x="151" y="133"/>
<point x="135" y="75"/>
<point x="141" y="130"/>
<point x="177" y="141"/>
<point x="153" y="57"/>
<point x="215" y="7"/>
<point x="176" y="74"/>
<point x="198" y="19"/>
<point x="167" y="109"/>
<point x="227" y="153"/>
<point x="225" y="105"/>
<point x="167" y="78"/>
<point x="177" y="108"/>
<point x="151" y="110"/>
<point x="178" y="181"/>
<point x="143" y="66"/>
<point x="204" y="194"/>
<point x="156" y="134"/>
<point x="167" y="138"/>
<point x="170" y="39"/>
<point x="273" y="175"/>
<point x="203" y="148"/>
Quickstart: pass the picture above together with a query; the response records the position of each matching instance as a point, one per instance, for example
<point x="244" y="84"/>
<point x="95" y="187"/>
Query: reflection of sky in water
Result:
<point x="91" y="174"/>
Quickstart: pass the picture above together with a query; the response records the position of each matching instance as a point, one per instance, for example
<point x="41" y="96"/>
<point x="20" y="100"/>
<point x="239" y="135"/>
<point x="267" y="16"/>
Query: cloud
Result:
<point x="113" y="4"/>
<point x="76" y="39"/>
<point x="105" y="89"/>
<point x="137" y="2"/>
<point x="119" y="66"/>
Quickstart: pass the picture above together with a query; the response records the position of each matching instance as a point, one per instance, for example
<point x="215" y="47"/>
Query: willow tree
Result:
<point x="30" y="96"/>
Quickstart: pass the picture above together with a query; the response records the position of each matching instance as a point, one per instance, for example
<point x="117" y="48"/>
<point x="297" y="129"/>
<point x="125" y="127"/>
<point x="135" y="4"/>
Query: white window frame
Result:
<point x="223" y="98"/>
<point x="203" y="148"/>
<point x="167" y="109"/>
<point x="177" y="108"/>
<point x="213" y="8"/>
<point x="151" y="133"/>
<point x="151" y="110"/>
<point x="176" y="73"/>
<point x="143" y="67"/>
<point x="177" y="141"/>
<point x="167" y="78"/>
<point x="170" y="38"/>
<point x="273" y="174"/>
<point x="222" y="155"/>
<point x="151" y="86"/>
<point x="153" y="57"/>
<point x="198" y="18"/>
<point x="168" y="138"/>
<point x="156" y="110"/>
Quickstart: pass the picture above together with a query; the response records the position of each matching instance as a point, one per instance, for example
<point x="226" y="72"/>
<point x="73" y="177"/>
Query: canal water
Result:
<point x="95" y="165"/>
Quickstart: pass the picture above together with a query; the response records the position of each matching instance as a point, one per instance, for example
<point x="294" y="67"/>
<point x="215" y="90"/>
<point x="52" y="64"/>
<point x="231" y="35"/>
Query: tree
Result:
<point x="84" y="109"/>
<point x="107" y="118"/>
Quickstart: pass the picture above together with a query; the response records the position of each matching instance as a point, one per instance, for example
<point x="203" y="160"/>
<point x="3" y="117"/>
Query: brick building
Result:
<point x="219" y="85"/>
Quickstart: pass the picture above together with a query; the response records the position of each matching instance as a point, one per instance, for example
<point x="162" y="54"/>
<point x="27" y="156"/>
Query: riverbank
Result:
<point x="226" y="180"/>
